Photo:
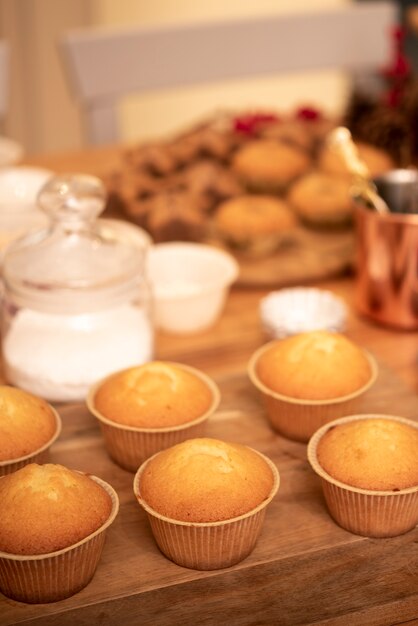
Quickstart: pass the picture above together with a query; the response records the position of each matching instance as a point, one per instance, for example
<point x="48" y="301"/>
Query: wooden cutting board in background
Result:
<point x="312" y="255"/>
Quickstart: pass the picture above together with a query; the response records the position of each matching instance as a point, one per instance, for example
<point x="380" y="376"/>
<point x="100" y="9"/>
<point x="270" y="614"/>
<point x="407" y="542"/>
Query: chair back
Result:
<point x="102" y="65"/>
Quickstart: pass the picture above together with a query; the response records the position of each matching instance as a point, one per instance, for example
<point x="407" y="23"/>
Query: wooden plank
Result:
<point x="304" y="569"/>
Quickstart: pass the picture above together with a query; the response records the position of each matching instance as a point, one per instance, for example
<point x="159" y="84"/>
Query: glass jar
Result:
<point x="76" y="302"/>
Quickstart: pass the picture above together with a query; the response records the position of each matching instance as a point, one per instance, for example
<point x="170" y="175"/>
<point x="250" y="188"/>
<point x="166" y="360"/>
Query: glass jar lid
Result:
<point x="79" y="263"/>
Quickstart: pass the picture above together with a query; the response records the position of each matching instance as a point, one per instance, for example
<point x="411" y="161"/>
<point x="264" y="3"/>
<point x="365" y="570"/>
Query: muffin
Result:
<point x="377" y="160"/>
<point x="268" y="166"/>
<point x="28" y="427"/>
<point x="322" y="199"/>
<point x="310" y="378"/>
<point x="377" y="454"/>
<point x="144" y="409"/>
<point x="51" y="531"/>
<point x="254" y="225"/>
<point x="290" y="132"/>
<point x="205" y="524"/>
<point x="368" y="465"/>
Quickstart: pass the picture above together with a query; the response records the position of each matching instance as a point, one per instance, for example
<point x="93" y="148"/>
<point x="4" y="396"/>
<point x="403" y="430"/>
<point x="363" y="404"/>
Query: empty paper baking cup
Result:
<point x="298" y="418"/>
<point x="57" y="575"/>
<point x="208" y="546"/>
<point x="362" y="511"/>
<point x="37" y="456"/>
<point x="301" y="309"/>
<point x="129" y="446"/>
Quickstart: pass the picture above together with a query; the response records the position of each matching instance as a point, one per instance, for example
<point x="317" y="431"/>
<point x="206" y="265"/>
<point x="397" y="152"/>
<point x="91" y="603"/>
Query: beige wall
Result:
<point x="43" y="116"/>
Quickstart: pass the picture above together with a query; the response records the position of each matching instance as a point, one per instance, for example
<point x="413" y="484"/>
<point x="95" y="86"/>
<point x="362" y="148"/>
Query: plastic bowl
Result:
<point x="190" y="282"/>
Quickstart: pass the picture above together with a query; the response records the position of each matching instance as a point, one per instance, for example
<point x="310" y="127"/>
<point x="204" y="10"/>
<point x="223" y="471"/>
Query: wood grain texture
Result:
<point x="312" y="255"/>
<point x="304" y="569"/>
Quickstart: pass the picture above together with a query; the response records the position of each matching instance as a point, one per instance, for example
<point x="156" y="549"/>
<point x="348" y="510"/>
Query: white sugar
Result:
<point x="59" y="357"/>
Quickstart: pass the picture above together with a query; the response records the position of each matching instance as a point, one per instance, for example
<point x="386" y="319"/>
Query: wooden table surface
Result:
<point x="304" y="569"/>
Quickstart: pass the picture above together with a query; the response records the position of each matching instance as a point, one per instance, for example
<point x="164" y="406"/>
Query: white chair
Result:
<point x="103" y="65"/>
<point x="4" y="77"/>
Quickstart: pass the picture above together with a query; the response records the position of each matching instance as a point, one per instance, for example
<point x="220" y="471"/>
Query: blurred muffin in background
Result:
<point x="268" y="166"/>
<point x="322" y="199"/>
<point x="255" y="225"/>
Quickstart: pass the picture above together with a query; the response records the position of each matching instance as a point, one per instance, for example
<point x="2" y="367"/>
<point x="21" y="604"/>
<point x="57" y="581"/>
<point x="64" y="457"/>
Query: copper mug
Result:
<point x="387" y="263"/>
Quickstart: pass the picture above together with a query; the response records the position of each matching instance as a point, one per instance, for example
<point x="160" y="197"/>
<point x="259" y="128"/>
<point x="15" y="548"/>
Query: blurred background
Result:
<point x="43" y="116"/>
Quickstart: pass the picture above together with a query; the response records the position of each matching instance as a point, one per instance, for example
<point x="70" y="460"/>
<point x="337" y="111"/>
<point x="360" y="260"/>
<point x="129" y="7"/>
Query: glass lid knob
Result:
<point x="72" y="198"/>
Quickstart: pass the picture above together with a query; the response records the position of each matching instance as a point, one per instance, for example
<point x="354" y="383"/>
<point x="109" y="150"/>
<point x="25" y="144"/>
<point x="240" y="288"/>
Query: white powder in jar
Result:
<point x="58" y="357"/>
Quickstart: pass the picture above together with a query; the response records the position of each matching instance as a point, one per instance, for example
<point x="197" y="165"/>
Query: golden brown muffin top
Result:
<point x="26" y="423"/>
<point x="269" y="162"/>
<point x="49" y="507"/>
<point x="317" y="365"/>
<point x="371" y="453"/>
<point x="154" y="395"/>
<point x="320" y="196"/>
<point x="254" y="216"/>
<point x="205" y="480"/>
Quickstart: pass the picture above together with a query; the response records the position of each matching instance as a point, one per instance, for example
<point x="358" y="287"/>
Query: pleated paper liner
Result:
<point x="37" y="456"/>
<point x="362" y="511"/>
<point x="57" y="575"/>
<point x="298" y="419"/>
<point x="208" y="546"/>
<point x="129" y="446"/>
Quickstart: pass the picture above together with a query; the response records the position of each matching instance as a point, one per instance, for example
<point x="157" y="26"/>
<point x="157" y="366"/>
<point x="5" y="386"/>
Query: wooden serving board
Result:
<point x="304" y="568"/>
<point x="312" y="255"/>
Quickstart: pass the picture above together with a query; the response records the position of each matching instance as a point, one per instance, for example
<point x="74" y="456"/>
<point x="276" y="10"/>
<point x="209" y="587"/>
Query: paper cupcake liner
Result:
<point x="37" y="456"/>
<point x="298" y="419"/>
<point x="51" y="577"/>
<point x="214" y="545"/>
<point x="129" y="446"/>
<point x="363" y="511"/>
<point x="295" y="310"/>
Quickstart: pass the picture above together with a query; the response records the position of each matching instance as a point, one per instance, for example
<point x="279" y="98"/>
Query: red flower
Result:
<point x="400" y="68"/>
<point x="250" y="123"/>
<point x="308" y="113"/>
